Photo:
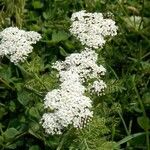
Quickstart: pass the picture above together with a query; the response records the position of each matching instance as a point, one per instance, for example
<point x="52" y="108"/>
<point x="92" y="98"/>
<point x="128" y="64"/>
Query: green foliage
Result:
<point x="94" y="136"/>
<point x="121" y="117"/>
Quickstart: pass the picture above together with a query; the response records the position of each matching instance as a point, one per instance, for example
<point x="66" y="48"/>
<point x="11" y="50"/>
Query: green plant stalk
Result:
<point x="116" y="76"/>
<point x="144" y="113"/>
<point x="130" y="137"/>
<point x="147" y="54"/>
<point x="7" y="84"/>
<point x="142" y="15"/>
<point x="124" y="124"/>
<point x="34" y="91"/>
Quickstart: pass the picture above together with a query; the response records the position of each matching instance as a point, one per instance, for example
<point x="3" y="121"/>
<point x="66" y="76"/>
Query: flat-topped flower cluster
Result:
<point x="17" y="43"/>
<point x="92" y="28"/>
<point x="68" y="104"/>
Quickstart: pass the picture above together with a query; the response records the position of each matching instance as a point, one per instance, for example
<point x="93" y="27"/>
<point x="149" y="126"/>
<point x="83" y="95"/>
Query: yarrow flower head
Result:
<point x="84" y="64"/>
<point x="69" y="106"/>
<point x="92" y="28"/>
<point x="68" y="103"/>
<point x="98" y="87"/>
<point x="16" y="43"/>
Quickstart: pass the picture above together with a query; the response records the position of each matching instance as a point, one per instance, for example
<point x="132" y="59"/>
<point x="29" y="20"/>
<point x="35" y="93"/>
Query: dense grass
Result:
<point x="121" y="117"/>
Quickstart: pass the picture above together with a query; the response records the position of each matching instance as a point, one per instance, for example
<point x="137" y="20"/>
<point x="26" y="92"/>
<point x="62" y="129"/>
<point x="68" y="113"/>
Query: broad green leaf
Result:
<point x="34" y="126"/>
<point x="12" y="106"/>
<point x="59" y="36"/>
<point x="34" y="147"/>
<point x="34" y="112"/>
<point x="23" y="97"/>
<point x="37" y="4"/>
<point x="144" y="122"/>
<point x="2" y="112"/>
<point x="5" y="73"/>
<point x="146" y="98"/>
<point x="10" y="133"/>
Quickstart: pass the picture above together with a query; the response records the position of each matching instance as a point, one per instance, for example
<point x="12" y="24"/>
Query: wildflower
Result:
<point x="68" y="103"/>
<point x="84" y="64"/>
<point x="16" y="43"/>
<point x="91" y="28"/>
<point x="98" y="87"/>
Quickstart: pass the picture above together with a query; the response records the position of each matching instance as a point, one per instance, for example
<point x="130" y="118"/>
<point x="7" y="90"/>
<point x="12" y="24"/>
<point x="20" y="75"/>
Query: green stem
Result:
<point x="124" y="124"/>
<point x="7" y="84"/>
<point x="142" y="15"/>
<point x="34" y="91"/>
<point x="147" y="54"/>
<point x="113" y="72"/>
<point x="23" y="70"/>
<point x="128" y="138"/>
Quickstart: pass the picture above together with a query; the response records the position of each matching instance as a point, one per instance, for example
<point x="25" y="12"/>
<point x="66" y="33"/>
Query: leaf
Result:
<point x="12" y="106"/>
<point x="146" y="98"/>
<point x="10" y="133"/>
<point x="128" y="138"/>
<point x="34" y="147"/>
<point x="34" y="112"/>
<point x="12" y="146"/>
<point x="2" y="112"/>
<point x="5" y="73"/>
<point x="59" y="36"/>
<point x="23" y="97"/>
<point x="37" y="4"/>
<point x="63" y="52"/>
<point x="144" y="122"/>
<point x="34" y="126"/>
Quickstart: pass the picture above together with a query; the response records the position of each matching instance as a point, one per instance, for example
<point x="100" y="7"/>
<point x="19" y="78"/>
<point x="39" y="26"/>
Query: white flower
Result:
<point x="98" y="87"/>
<point x="16" y="43"/>
<point x="50" y="123"/>
<point x="82" y="65"/>
<point x="68" y="103"/>
<point x="91" y="28"/>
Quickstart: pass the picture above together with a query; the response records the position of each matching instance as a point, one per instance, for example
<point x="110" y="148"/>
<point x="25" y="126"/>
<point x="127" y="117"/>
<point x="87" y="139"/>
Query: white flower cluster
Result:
<point x="92" y="28"/>
<point x="98" y="87"/>
<point x="84" y="64"/>
<point x="16" y="43"/>
<point x="68" y="104"/>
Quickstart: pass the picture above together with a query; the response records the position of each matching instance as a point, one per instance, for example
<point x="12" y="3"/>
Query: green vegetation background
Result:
<point x="121" y="117"/>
